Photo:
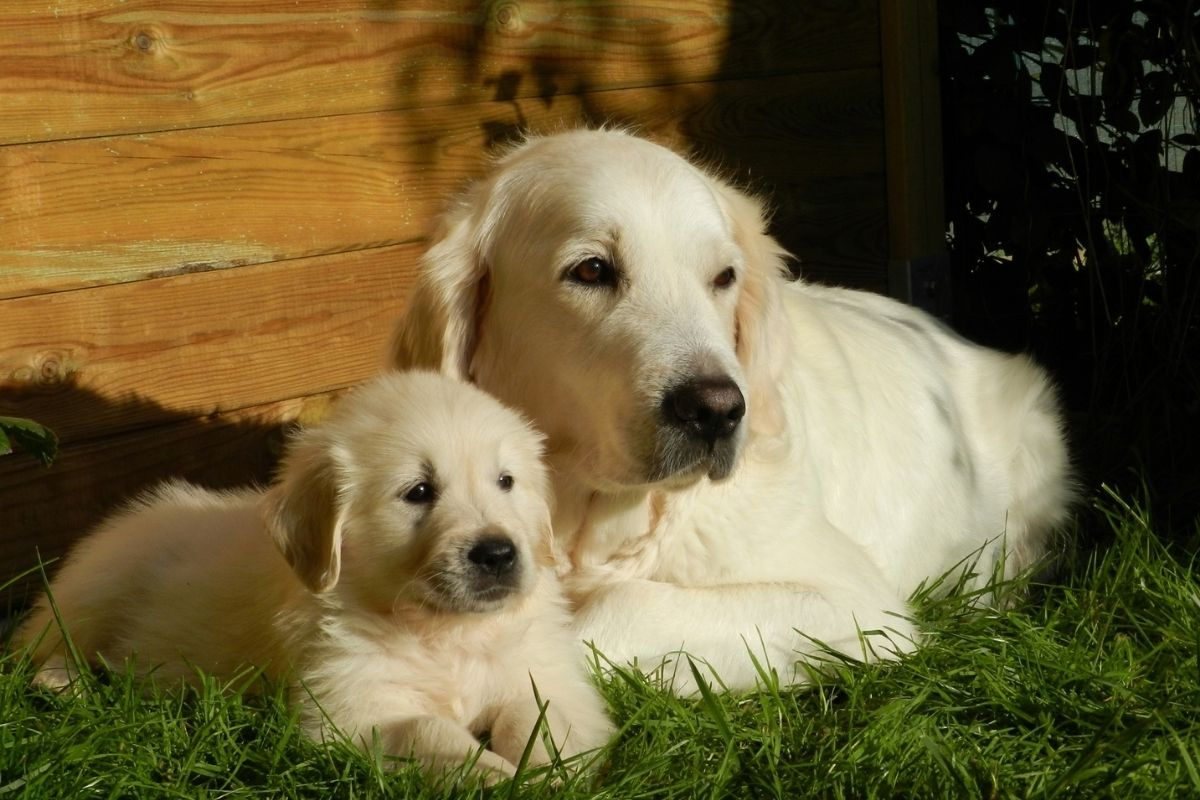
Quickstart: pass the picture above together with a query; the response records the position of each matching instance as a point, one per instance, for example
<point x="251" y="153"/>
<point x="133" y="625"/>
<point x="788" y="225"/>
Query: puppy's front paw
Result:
<point x="512" y="734"/>
<point x="493" y="768"/>
<point x="57" y="675"/>
<point x="443" y="746"/>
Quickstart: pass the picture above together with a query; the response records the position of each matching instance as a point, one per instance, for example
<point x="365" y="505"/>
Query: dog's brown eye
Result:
<point x="422" y="493"/>
<point x="505" y="482"/>
<point x="725" y="279"/>
<point x="594" y="271"/>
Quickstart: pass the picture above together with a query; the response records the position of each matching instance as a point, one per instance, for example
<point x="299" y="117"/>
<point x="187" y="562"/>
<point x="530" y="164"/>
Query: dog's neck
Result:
<point x="593" y="527"/>
<point x="623" y="530"/>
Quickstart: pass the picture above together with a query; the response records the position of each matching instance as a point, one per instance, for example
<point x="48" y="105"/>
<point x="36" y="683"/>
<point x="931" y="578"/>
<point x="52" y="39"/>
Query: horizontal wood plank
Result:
<point x="42" y="511"/>
<point x="95" y="67"/>
<point x="93" y="362"/>
<point x="98" y="211"/>
<point x="814" y="149"/>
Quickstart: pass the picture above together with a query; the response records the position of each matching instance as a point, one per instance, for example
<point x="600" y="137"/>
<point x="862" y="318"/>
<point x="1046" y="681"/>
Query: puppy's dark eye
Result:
<point x="505" y="482"/>
<point x="420" y="494"/>
<point x="594" y="271"/>
<point x="725" y="279"/>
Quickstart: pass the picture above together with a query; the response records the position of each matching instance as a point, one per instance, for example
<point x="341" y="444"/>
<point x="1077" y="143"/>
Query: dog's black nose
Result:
<point x="707" y="408"/>
<point x="494" y="555"/>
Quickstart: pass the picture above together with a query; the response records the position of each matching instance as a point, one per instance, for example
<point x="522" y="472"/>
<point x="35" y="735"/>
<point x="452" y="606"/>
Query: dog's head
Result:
<point x="622" y="297"/>
<point x="417" y="491"/>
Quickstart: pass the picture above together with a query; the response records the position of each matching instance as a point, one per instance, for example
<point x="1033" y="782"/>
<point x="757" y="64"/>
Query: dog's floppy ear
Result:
<point x="302" y="511"/>
<point x="439" y="330"/>
<point x="763" y="341"/>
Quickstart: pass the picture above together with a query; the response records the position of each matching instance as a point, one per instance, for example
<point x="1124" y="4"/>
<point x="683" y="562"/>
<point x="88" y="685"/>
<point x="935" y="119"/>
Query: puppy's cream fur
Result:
<point x="352" y="583"/>
<point x="878" y="450"/>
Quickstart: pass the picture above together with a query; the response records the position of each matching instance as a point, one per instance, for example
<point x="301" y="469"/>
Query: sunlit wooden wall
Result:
<point x="211" y="210"/>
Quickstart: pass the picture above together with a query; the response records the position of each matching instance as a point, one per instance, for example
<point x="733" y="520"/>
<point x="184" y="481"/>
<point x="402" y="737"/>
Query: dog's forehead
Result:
<point x="582" y="183"/>
<point x="653" y="191"/>
<point x="413" y="419"/>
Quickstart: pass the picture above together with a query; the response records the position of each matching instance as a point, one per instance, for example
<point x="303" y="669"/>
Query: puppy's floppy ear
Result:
<point x="303" y="513"/>
<point x="763" y="340"/>
<point x="440" y="328"/>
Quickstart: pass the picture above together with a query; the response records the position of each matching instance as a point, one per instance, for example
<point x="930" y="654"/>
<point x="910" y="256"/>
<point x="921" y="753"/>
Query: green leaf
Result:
<point x="1052" y="82"/>
<point x="1157" y="97"/>
<point x="1080" y="56"/>
<point x="37" y="440"/>
<point x="1124" y="120"/>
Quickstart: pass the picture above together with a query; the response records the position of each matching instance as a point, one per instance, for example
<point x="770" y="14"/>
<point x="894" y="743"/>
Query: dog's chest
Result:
<point x="705" y="542"/>
<point x="462" y="676"/>
<point x="695" y="536"/>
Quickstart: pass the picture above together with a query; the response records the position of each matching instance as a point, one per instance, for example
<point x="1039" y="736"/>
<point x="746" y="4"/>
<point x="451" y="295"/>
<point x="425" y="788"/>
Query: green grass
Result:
<point x="1090" y="688"/>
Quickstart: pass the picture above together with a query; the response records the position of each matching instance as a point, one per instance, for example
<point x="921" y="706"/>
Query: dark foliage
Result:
<point x="1073" y="204"/>
<point x="25" y="434"/>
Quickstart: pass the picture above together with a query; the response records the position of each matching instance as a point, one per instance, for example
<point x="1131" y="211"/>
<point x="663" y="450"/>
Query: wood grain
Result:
<point x="913" y="126"/>
<point x="103" y="360"/>
<point x="814" y="148"/>
<point x="96" y="67"/>
<point x="97" y="211"/>
<point x="42" y="511"/>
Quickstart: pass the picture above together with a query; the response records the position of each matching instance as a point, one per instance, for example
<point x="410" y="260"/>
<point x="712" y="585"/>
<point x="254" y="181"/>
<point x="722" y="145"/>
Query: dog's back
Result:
<point x="966" y="462"/>
<point x="150" y="581"/>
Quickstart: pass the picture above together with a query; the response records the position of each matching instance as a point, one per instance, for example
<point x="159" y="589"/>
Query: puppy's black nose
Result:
<point x="707" y="408"/>
<point x="494" y="555"/>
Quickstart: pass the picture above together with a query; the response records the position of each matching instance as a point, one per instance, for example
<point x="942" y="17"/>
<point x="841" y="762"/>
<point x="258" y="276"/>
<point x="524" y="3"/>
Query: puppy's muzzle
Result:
<point x="494" y="556"/>
<point x="493" y="566"/>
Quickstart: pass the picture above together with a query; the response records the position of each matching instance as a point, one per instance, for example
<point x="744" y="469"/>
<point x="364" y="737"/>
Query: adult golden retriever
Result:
<point x="741" y="463"/>
<point x="398" y="573"/>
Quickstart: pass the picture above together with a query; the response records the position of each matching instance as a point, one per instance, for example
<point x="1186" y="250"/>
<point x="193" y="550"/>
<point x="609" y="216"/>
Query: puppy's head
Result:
<point x="417" y="492"/>
<point x="620" y="296"/>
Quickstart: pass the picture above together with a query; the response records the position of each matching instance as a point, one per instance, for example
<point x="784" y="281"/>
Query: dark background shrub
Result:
<point x="1073" y="212"/>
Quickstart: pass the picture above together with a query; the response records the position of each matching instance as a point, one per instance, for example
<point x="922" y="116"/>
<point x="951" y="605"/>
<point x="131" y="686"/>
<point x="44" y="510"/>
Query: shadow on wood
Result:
<point x="40" y="508"/>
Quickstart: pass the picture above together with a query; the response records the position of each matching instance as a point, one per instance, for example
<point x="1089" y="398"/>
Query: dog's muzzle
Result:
<point x="493" y="567"/>
<point x="700" y="420"/>
<point x="480" y="574"/>
<point x="707" y="409"/>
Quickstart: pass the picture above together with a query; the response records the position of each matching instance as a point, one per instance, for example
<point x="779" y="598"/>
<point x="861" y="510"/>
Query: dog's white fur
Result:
<point x="878" y="451"/>
<point x="334" y="580"/>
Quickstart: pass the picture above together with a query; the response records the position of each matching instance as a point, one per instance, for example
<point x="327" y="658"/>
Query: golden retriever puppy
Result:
<point x="741" y="462"/>
<point x="399" y="572"/>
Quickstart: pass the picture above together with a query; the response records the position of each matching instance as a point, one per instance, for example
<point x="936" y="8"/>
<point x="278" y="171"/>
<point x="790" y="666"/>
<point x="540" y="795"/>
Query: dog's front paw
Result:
<point x="602" y="621"/>
<point x="492" y="768"/>
<point x="678" y="673"/>
<point x="58" y="675"/>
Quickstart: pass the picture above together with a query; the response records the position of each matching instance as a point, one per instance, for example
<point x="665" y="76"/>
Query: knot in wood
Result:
<point x="508" y="18"/>
<point x="49" y="370"/>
